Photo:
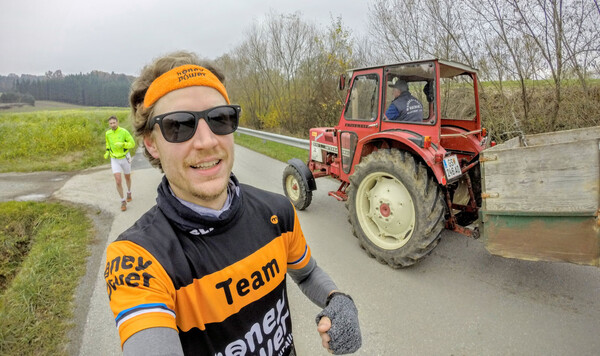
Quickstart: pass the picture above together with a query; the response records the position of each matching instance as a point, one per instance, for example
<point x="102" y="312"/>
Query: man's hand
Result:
<point x="338" y="325"/>
<point x="323" y="327"/>
<point x="119" y="144"/>
<point x="106" y="154"/>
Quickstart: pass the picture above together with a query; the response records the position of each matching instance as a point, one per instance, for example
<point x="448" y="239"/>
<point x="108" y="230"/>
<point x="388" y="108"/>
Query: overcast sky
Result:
<point x="122" y="36"/>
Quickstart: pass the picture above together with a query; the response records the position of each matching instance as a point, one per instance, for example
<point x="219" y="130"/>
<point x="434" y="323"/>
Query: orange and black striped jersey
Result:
<point x="224" y="291"/>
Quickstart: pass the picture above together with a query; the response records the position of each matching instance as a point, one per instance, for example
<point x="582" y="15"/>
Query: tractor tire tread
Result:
<point x="430" y="211"/>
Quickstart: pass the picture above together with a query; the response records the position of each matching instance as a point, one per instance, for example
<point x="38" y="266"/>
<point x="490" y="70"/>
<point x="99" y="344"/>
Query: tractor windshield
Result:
<point x="410" y="93"/>
<point x="456" y="88"/>
<point x="362" y="102"/>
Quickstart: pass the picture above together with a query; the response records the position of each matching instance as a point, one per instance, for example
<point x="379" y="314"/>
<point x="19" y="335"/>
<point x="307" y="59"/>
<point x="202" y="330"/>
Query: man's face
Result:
<point x="198" y="169"/>
<point x="397" y="92"/>
<point x="113" y="124"/>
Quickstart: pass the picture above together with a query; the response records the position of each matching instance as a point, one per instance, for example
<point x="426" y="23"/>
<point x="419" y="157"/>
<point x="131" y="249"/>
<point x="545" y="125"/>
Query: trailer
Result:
<point x="541" y="197"/>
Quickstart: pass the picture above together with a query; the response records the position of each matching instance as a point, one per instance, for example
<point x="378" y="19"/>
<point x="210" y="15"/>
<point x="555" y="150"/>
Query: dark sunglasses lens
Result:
<point x="178" y="127"/>
<point x="222" y="120"/>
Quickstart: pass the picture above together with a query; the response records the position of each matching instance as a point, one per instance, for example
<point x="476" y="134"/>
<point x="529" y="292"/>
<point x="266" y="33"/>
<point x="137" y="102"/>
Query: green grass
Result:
<point x="43" y="248"/>
<point x="55" y="140"/>
<point x="274" y="150"/>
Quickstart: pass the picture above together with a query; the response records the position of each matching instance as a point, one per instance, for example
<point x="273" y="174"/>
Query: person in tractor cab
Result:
<point x="404" y="107"/>
<point x="203" y="272"/>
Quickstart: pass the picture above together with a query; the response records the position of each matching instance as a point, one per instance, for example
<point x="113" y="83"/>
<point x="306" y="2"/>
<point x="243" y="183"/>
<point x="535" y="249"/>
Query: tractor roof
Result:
<point x="447" y="68"/>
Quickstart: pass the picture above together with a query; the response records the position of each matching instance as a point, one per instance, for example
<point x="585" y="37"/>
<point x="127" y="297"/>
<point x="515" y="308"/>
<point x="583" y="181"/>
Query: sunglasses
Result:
<point x="180" y="126"/>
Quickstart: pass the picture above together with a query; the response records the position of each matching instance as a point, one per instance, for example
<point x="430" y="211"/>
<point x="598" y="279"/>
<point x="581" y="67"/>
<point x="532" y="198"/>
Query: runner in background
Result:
<point x="118" y="143"/>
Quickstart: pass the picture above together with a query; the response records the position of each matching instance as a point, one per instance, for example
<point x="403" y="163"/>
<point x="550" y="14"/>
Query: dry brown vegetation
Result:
<point x="502" y="112"/>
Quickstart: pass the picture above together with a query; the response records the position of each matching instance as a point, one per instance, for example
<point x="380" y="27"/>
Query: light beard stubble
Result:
<point x="210" y="197"/>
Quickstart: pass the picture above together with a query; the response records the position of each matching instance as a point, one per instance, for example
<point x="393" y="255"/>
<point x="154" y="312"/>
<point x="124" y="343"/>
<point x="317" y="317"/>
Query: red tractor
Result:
<point x="402" y="182"/>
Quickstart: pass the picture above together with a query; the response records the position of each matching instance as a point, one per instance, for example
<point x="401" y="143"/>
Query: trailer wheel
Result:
<point x="396" y="208"/>
<point x="296" y="188"/>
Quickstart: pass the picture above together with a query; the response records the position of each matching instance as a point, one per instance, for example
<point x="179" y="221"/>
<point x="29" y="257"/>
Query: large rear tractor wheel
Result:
<point x="396" y="208"/>
<point x="296" y="188"/>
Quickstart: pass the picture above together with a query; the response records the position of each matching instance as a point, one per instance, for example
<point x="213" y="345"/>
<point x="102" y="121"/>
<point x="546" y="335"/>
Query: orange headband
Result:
<point x="181" y="77"/>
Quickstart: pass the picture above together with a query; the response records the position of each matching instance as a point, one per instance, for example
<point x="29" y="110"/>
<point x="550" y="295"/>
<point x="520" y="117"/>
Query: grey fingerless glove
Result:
<point x="345" y="330"/>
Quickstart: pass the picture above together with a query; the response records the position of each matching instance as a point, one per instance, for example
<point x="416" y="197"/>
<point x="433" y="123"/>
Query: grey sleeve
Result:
<point x="153" y="341"/>
<point x="313" y="282"/>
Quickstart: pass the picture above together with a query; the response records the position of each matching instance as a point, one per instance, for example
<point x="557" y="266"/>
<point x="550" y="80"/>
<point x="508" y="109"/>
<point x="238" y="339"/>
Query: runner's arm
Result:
<point x="153" y="341"/>
<point x="129" y="141"/>
<point x="313" y="282"/>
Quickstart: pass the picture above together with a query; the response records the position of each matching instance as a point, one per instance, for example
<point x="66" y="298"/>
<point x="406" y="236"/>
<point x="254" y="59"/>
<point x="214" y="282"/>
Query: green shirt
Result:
<point x="119" y="135"/>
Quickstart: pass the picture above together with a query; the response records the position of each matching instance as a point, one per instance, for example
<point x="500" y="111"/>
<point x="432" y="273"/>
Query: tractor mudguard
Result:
<point x="306" y="174"/>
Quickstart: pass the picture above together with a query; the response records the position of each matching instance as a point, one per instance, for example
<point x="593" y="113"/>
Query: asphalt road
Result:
<point x="458" y="301"/>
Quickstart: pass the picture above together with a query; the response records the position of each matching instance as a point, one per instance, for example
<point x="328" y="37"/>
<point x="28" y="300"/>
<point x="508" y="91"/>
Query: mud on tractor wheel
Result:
<point x="296" y="188"/>
<point x="396" y="208"/>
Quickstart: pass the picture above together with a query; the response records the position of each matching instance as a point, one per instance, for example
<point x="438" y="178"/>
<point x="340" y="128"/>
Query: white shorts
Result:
<point x="121" y="165"/>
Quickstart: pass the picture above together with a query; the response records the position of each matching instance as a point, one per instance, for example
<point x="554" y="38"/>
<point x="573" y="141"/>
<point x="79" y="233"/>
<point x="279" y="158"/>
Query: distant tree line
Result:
<point x="12" y="97"/>
<point x="92" y="89"/>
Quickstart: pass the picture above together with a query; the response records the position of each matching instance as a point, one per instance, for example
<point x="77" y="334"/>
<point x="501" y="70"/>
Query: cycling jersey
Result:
<point x="220" y="282"/>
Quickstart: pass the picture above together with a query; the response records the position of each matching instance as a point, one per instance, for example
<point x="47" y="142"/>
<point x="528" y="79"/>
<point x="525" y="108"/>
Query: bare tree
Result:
<point x="399" y="29"/>
<point x="456" y="35"/>
<point x="581" y="38"/>
<point x="542" y="20"/>
<point x="365" y="52"/>
<point x="286" y="72"/>
<point x="251" y="68"/>
<point x="498" y="18"/>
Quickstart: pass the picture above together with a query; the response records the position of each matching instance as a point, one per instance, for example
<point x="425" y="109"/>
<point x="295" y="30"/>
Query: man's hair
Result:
<point x="140" y="114"/>
<point x="113" y="118"/>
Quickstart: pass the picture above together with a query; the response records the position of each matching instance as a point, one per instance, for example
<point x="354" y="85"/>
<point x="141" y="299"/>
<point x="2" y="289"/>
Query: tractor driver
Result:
<point x="404" y="107"/>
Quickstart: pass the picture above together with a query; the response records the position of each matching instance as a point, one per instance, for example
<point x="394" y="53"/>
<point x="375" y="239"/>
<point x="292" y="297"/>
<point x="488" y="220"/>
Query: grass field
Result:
<point x="55" y="140"/>
<point x="43" y="255"/>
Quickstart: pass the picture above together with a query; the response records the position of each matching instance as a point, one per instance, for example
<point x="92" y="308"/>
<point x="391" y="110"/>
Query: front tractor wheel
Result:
<point x="296" y="188"/>
<point x="396" y="209"/>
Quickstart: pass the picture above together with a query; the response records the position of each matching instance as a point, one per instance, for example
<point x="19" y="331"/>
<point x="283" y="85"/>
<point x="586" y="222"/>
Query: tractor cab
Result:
<point x="446" y="94"/>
